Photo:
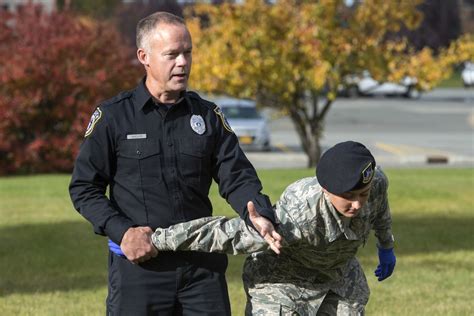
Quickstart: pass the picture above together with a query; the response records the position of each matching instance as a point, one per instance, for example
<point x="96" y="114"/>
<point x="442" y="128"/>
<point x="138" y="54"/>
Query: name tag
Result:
<point x="136" y="136"/>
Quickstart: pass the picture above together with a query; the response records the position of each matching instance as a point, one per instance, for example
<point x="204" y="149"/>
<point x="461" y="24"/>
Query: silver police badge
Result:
<point x="197" y="124"/>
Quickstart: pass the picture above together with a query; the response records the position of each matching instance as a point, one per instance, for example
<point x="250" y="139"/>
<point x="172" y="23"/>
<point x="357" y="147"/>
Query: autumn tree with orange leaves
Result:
<point x="294" y="54"/>
<point x="54" y="70"/>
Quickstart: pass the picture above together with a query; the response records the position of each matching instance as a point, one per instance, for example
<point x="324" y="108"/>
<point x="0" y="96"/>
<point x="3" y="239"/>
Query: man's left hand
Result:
<point x="265" y="228"/>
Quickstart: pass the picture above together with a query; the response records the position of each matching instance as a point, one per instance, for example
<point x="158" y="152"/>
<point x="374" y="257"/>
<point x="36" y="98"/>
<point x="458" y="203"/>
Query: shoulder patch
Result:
<point x="221" y="115"/>
<point x="93" y="121"/>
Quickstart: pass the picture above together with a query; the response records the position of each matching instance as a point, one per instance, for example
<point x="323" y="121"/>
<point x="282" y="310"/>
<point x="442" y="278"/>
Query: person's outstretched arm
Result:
<point x="213" y="234"/>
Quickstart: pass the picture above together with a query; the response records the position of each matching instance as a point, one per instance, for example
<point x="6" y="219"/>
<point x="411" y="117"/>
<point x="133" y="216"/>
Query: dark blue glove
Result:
<point x="115" y="249"/>
<point x="386" y="265"/>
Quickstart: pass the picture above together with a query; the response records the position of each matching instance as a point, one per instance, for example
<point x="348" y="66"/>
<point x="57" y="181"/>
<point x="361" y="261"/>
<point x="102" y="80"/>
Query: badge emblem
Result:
<point x="94" y="119"/>
<point x="226" y="125"/>
<point x="197" y="124"/>
<point x="367" y="173"/>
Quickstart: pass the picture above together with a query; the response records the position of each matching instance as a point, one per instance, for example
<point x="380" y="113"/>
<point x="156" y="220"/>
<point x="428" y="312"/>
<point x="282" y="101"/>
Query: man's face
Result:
<point x="167" y="58"/>
<point x="350" y="203"/>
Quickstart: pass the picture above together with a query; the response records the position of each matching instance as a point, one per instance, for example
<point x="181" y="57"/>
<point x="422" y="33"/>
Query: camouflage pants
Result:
<point x="348" y="296"/>
<point x="334" y="304"/>
<point x="288" y="299"/>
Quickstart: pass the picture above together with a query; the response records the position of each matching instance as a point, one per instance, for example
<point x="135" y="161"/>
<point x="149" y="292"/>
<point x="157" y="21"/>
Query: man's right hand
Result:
<point x="265" y="228"/>
<point x="137" y="246"/>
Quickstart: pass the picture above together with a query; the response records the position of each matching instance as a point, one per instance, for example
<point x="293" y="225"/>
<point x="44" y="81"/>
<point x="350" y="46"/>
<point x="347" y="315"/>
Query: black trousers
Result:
<point x="181" y="283"/>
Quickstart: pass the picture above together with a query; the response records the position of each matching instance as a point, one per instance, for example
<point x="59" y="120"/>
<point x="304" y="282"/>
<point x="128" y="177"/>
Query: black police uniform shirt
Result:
<point x="158" y="168"/>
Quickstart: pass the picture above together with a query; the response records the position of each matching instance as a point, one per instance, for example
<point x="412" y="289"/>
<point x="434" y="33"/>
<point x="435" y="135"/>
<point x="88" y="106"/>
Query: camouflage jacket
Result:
<point x="319" y="243"/>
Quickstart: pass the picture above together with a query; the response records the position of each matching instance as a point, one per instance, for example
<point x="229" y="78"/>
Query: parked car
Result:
<point x="365" y="85"/>
<point x="250" y="126"/>
<point x="467" y="74"/>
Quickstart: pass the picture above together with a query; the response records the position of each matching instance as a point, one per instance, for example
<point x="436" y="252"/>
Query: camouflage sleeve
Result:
<point x="296" y="212"/>
<point x="210" y="234"/>
<point x="383" y="220"/>
<point x="233" y="236"/>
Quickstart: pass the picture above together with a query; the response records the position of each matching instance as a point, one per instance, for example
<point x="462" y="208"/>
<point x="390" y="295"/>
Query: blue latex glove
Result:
<point x="115" y="249"/>
<point x="386" y="265"/>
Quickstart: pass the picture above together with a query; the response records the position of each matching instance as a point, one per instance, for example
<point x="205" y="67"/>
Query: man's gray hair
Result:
<point x="147" y="25"/>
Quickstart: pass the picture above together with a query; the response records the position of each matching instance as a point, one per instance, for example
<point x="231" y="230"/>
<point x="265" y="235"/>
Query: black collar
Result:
<point x="142" y="96"/>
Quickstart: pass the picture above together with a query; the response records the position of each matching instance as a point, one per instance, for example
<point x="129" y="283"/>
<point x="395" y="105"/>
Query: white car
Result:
<point x="467" y="74"/>
<point x="247" y="122"/>
<point x="367" y="86"/>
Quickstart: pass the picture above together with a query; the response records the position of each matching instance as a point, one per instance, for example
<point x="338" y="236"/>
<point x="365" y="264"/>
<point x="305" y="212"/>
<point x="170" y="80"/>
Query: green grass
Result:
<point x="52" y="263"/>
<point x="454" y="81"/>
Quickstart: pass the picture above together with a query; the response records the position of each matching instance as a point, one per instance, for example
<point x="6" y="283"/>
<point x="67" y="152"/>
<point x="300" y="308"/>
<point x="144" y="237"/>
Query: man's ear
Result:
<point x="142" y="56"/>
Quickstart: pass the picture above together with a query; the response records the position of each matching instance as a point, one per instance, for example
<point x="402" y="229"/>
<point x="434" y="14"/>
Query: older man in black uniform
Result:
<point x="157" y="148"/>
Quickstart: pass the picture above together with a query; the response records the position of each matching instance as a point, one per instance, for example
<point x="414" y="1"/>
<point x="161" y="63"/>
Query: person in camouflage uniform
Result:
<point x="323" y="221"/>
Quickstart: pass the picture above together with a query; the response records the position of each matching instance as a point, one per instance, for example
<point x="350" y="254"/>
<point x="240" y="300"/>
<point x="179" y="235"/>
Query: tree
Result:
<point x="96" y="8"/>
<point x="441" y="24"/>
<point x="124" y="14"/>
<point x="294" y="54"/>
<point x="54" y="70"/>
<point x="128" y="15"/>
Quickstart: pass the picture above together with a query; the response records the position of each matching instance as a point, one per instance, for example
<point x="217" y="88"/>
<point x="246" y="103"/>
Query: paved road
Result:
<point x="435" y="130"/>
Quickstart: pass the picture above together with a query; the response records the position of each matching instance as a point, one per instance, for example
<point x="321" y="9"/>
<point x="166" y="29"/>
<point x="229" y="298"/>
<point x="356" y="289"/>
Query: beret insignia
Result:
<point x="367" y="173"/>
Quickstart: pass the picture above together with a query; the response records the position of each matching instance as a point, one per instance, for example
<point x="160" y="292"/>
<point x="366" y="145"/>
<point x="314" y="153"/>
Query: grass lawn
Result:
<point x="454" y="81"/>
<point x="52" y="263"/>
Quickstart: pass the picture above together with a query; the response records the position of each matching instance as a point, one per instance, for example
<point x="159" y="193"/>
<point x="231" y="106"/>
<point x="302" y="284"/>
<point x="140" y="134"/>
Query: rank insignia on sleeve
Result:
<point x="94" y="119"/>
<point x="226" y="125"/>
<point x="367" y="173"/>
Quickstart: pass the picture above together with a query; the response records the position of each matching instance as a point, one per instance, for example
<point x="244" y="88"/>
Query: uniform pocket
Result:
<point x="139" y="161"/>
<point x="195" y="158"/>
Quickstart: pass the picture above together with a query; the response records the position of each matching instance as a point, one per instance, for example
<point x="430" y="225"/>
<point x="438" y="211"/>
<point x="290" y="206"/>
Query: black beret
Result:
<point x="345" y="167"/>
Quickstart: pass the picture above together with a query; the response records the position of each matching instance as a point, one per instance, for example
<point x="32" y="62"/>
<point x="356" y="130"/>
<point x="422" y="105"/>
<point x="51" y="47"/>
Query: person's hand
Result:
<point x="265" y="228"/>
<point x="387" y="261"/>
<point x="137" y="246"/>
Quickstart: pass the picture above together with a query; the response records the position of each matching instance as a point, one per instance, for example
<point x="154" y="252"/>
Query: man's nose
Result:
<point x="356" y="204"/>
<point x="181" y="60"/>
